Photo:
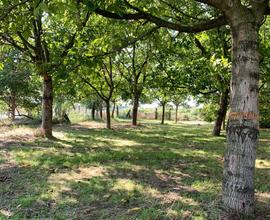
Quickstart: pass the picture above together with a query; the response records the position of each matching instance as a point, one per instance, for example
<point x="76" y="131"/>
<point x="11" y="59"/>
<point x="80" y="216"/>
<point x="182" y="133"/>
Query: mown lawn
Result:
<point x="149" y="172"/>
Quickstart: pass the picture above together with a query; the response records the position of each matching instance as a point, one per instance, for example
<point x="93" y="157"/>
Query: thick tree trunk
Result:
<point x="156" y="113"/>
<point x="12" y="105"/>
<point x="242" y="138"/>
<point x="108" y="115"/>
<point x="93" y="110"/>
<point x="163" y="114"/>
<point x="176" y="113"/>
<point x="135" y="110"/>
<point x="47" y="104"/>
<point x="221" y="114"/>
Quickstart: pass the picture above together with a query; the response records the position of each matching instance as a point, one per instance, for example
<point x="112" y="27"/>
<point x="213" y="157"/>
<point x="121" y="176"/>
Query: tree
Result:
<point x="219" y="69"/>
<point x="245" y="19"/>
<point x="42" y="35"/>
<point x="178" y="98"/>
<point x="135" y="61"/>
<point x="103" y="80"/>
<point x="18" y="88"/>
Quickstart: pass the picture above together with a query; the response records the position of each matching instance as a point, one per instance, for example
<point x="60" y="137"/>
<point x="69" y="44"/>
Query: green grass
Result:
<point x="149" y="172"/>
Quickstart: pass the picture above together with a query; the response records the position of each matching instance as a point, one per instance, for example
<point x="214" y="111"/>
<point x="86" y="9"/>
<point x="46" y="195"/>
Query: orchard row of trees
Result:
<point x="91" y="50"/>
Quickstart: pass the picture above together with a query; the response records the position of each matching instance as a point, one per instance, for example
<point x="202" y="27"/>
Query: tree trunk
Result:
<point x="163" y="114"/>
<point x="128" y="114"/>
<point x="243" y="128"/>
<point x="135" y="110"/>
<point x="224" y="123"/>
<point x="113" y="109"/>
<point x="100" y="112"/>
<point x="97" y="113"/>
<point x="176" y="113"/>
<point x="47" y="104"/>
<point x="221" y="114"/>
<point x="117" y="111"/>
<point x="12" y="105"/>
<point x="93" y="110"/>
<point x="170" y="114"/>
<point x="108" y="115"/>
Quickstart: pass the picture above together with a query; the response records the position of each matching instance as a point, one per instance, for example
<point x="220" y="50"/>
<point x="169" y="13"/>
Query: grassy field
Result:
<point x="148" y="172"/>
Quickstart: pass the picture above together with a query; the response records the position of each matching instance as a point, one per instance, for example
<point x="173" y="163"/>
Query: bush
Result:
<point x="208" y="112"/>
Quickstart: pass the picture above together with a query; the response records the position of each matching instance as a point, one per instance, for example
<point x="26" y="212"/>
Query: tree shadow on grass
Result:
<point x="122" y="193"/>
<point x="156" y="174"/>
<point x="23" y="192"/>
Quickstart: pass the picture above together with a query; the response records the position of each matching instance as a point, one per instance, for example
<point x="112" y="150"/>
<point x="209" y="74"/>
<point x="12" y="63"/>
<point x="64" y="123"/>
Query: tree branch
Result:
<point x="94" y="88"/>
<point x="201" y="47"/>
<point x="10" y="8"/>
<point x="207" y="25"/>
<point x="129" y="43"/>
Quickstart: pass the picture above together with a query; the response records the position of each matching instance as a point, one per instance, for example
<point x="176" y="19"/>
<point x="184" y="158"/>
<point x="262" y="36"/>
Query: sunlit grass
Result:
<point x="88" y="172"/>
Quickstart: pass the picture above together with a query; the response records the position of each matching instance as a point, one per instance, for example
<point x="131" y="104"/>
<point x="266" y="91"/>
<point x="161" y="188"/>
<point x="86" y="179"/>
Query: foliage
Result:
<point x="264" y="107"/>
<point x="208" y="112"/>
<point x="16" y="77"/>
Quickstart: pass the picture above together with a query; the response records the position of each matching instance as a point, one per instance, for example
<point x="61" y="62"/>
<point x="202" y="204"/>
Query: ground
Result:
<point x="146" y="172"/>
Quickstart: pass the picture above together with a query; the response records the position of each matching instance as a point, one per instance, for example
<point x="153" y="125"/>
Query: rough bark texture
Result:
<point x="135" y="110"/>
<point x="163" y="114"/>
<point x="47" y="104"/>
<point x="242" y="138"/>
<point x="108" y="115"/>
<point x="221" y="114"/>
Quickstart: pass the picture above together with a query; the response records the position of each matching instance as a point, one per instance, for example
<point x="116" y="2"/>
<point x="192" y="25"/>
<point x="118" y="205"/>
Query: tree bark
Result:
<point x="221" y="114"/>
<point x="242" y="137"/>
<point x="163" y="114"/>
<point x="176" y="113"/>
<point x="47" y="104"/>
<point x="170" y="114"/>
<point x="135" y="110"/>
<point x="108" y="115"/>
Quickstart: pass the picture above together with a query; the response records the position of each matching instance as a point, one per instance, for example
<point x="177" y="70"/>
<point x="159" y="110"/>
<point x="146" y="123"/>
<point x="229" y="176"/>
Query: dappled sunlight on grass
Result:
<point x="59" y="181"/>
<point x="147" y="172"/>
